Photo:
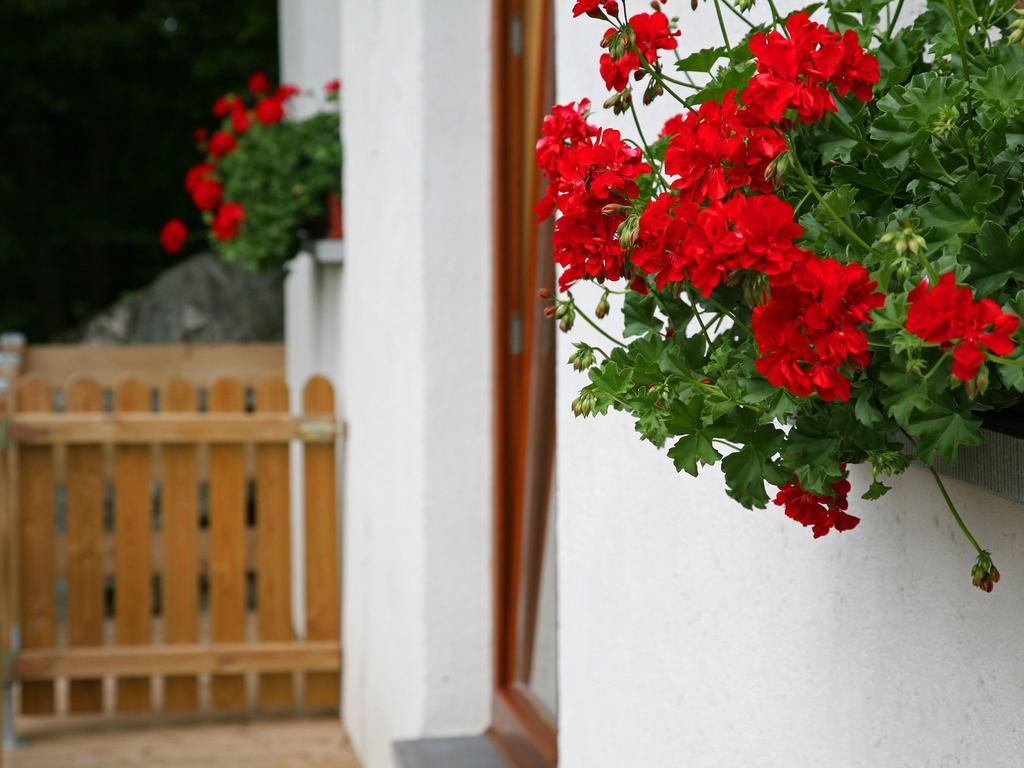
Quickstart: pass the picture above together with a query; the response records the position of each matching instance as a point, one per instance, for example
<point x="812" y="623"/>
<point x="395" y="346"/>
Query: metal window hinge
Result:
<point x="515" y="333"/>
<point x="515" y="35"/>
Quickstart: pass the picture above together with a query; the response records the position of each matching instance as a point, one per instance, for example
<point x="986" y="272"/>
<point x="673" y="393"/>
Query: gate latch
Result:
<point x="318" y="430"/>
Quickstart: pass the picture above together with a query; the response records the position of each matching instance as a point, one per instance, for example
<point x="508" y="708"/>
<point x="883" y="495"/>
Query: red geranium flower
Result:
<point x="201" y="134"/>
<point x="947" y="315"/>
<point x="259" y="83"/>
<point x="713" y="152"/>
<point x="206" y="194"/>
<point x="332" y="86"/>
<point x="650" y="33"/>
<point x="616" y="72"/>
<point x="792" y="71"/>
<point x="810" y="327"/>
<point x="822" y="513"/>
<point x="285" y="91"/>
<point x="857" y="71"/>
<point x="592" y="8"/>
<point x="240" y="121"/>
<point x="197" y="172"/>
<point x="269" y="110"/>
<point x="227" y="221"/>
<point x="225" y="105"/>
<point x="173" y="235"/>
<point x="221" y="143"/>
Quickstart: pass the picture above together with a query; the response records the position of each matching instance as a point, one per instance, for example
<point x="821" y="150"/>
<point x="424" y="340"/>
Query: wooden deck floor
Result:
<point x="304" y="743"/>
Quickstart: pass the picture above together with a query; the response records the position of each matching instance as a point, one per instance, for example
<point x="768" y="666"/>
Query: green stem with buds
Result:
<point x="592" y="323"/>
<point x="952" y="510"/>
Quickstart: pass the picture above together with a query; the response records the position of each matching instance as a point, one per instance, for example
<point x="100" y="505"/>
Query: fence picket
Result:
<point x="132" y="527"/>
<point x="180" y="534"/>
<point x="37" y="578"/>
<point x="227" y="543"/>
<point x="273" y="572"/>
<point x="85" y="561"/>
<point x="322" y="599"/>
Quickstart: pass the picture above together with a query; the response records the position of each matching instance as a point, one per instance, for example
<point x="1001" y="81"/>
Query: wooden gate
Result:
<point x="145" y="530"/>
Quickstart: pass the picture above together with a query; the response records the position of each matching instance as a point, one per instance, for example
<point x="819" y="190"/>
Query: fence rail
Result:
<point x="147" y="527"/>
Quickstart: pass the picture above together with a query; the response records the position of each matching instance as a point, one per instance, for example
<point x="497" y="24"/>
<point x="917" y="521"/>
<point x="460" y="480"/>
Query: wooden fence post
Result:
<point x="11" y="350"/>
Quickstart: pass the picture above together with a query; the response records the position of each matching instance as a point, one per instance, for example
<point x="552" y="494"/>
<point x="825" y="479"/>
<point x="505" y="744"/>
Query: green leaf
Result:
<point x="727" y="79"/>
<point x="747" y="470"/>
<point x="691" y="449"/>
<point x="943" y="432"/>
<point x="905" y="394"/>
<point x="876" y="491"/>
<point x="814" y="456"/>
<point x="638" y="312"/>
<point x="611" y="379"/>
<point x="702" y="60"/>
<point x="994" y="260"/>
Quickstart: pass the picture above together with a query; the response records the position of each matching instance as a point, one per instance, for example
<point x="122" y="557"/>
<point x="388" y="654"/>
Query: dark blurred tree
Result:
<point x="98" y="102"/>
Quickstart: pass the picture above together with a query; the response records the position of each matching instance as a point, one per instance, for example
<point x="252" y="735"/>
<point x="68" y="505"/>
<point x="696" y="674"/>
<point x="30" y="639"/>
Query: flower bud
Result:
<point x="568" y="318"/>
<point x="1016" y="27"/>
<point x="984" y="574"/>
<point x="780" y="165"/>
<point x="561" y="310"/>
<point x="629" y="231"/>
<point x="603" y="307"/>
<point x="545" y="293"/>
<point x="550" y="311"/>
<point x="744" y="5"/>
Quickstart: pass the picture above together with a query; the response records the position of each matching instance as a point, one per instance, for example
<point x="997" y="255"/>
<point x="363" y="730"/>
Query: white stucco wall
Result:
<point x="696" y="633"/>
<point x="307" y="33"/>
<point x="416" y="385"/>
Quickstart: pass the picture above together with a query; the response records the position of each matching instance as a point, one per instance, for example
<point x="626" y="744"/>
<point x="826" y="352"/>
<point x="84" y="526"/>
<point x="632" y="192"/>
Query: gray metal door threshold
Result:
<point x="456" y="752"/>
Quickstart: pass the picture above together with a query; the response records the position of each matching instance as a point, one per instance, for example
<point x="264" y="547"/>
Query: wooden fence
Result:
<point x="145" y="527"/>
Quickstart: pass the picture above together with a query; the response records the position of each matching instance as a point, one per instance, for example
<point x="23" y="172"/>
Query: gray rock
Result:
<point x="200" y="300"/>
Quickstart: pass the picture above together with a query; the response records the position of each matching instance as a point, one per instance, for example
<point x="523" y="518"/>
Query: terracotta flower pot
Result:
<point x="335" y="229"/>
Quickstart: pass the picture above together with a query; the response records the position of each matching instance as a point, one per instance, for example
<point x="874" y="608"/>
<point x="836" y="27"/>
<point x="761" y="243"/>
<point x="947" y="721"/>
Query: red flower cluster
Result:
<point x="706" y="246"/>
<point x="259" y="83"/>
<point x="200" y="181"/>
<point x="810" y="327"/>
<point x="792" y="71"/>
<point x="823" y="513"/>
<point x="648" y="33"/>
<point x="947" y="315"/>
<point x="718" y="149"/>
<point x="221" y="143"/>
<point x="228" y="221"/>
<point x="173" y="235"/>
<point x="587" y="169"/>
<point x="594" y="7"/>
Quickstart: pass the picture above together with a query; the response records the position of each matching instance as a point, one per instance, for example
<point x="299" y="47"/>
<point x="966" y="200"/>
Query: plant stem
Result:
<point x="721" y="25"/>
<point x="938" y="364"/>
<point x="893" y="20"/>
<point x="952" y="510"/>
<point x="696" y="314"/>
<point x="951" y="4"/>
<point x="776" y="18"/>
<point x="593" y="324"/>
<point x="828" y="208"/>
<point x="726" y="311"/>
<point x="738" y="14"/>
<point x="933" y="274"/>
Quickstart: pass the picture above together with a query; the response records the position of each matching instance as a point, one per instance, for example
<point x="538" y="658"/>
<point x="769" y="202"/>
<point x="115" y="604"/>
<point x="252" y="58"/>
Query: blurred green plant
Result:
<point x="99" y="99"/>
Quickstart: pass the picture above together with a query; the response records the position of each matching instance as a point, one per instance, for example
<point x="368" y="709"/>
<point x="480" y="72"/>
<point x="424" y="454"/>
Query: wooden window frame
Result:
<point x="518" y="730"/>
